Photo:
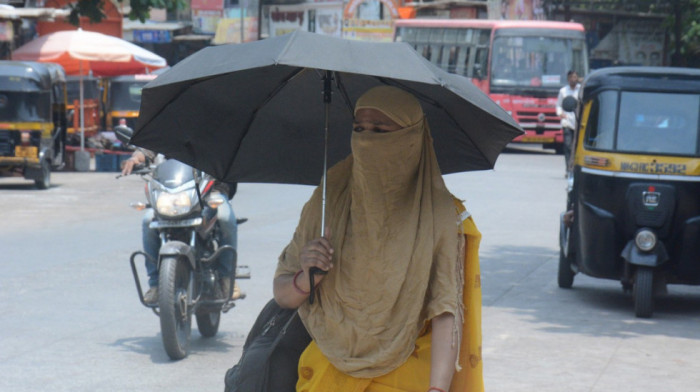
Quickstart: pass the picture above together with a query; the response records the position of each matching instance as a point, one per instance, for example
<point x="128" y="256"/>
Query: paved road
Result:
<point x="70" y="319"/>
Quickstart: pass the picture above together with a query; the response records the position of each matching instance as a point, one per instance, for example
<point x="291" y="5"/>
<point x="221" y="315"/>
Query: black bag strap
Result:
<point x="283" y="331"/>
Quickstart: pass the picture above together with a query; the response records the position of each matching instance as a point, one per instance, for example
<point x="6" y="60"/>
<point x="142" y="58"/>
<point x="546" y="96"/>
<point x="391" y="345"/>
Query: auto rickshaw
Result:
<point x="124" y="99"/>
<point x="32" y="119"/>
<point x="92" y="107"/>
<point x="634" y="204"/>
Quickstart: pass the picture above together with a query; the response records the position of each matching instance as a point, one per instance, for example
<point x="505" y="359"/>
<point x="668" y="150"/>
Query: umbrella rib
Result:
<point x="254" y="115"/>
<point x="344" y="93"/>
<point x="438" y="105"/>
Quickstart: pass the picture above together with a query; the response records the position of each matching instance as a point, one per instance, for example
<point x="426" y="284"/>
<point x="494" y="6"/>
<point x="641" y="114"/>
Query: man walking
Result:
<point x="568" y="119"/>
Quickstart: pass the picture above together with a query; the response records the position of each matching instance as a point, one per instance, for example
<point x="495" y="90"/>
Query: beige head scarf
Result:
<point x="394" y="231"/>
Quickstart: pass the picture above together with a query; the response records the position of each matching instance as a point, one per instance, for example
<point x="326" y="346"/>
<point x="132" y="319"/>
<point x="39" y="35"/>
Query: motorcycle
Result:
<point x="185" y="206"/>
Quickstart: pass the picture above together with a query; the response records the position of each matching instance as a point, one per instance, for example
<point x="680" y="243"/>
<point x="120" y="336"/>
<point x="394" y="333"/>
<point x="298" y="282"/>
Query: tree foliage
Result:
<point x="140" y="9"/>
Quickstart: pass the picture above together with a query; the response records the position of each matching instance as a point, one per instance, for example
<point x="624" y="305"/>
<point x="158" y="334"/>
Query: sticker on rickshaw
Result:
<point x="26" y="152"/>
<point x="653" y="167"/>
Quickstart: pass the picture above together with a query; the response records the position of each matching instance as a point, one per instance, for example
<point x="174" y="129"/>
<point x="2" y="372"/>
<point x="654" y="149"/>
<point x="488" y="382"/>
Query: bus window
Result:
<point x="480" y="63"/>
<point x="450" y="50"/>
<point x="436" y="45"/>
<point x="483" y="36"/>
<point x="461" y="61"/>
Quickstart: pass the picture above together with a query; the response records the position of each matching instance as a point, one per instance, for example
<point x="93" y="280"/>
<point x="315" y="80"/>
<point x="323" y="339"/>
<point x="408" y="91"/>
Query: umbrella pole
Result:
<point x="327" y="105"/>
<point x="82" y="111"/>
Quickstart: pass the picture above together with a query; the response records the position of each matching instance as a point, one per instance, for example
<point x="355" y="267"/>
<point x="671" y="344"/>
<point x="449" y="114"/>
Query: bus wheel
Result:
<point x="44" y="181"/>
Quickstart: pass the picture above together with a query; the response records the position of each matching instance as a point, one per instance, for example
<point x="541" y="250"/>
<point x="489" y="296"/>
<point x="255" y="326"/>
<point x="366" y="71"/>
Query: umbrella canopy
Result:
<point x="255" y="112"/>
<point x="84" y="52"/>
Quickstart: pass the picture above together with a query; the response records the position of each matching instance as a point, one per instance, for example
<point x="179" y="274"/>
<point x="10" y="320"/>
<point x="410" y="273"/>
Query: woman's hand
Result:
<point x="316" y="253"/>
<point x="291" y="290"/>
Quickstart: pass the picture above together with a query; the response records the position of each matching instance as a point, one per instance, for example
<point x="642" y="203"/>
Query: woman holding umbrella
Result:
<point x="399" y="306"/>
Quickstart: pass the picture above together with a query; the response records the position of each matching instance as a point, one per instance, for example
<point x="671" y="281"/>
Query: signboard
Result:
<point x="284" y="20"/>
<point x="152" y="36"/>
<point x="329" y="21"/>
<point x="368" y="30"/>
<point x="634" y="42"/>
<point x="205" y="21"/>
<point x="207" y="5"/>
<point x="390" y="5"/>
<point x="229" y="30"/>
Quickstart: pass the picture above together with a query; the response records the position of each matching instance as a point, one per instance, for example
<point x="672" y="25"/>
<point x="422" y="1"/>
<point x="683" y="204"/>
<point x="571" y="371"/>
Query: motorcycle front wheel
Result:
<point x="175" y="315"/>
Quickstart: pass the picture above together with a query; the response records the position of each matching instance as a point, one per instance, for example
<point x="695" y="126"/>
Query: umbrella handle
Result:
<point x="313" y="271"/>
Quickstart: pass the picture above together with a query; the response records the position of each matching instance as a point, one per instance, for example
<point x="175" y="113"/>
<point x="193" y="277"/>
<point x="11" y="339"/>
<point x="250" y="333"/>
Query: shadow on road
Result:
<point x="21" y="185"/>
<point x="153" y="346"/>
<point x="524" y="280"/>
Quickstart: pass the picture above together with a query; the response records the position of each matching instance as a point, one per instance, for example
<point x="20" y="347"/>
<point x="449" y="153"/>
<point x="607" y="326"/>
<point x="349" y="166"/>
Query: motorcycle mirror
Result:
<point x="569" y="103"/>
<point x="123" y="133"/>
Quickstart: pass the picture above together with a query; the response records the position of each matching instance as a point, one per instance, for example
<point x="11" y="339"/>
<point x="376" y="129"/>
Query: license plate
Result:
<point x="26" y="152"/>
<point x="535" y="139"/>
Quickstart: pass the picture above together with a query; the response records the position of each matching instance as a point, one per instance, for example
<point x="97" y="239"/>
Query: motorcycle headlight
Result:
<point x="174" y="204"/>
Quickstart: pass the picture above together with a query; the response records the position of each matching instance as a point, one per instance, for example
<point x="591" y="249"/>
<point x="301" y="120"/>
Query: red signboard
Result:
<point x="207" y="5"/>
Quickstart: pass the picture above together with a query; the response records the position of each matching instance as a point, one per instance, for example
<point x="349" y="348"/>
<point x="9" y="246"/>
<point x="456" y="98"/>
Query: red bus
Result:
<point x="521" y="65"/>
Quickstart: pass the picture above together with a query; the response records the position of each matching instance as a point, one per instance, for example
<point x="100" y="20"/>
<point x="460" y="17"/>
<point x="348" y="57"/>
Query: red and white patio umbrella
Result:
<point x="85" y="52"/>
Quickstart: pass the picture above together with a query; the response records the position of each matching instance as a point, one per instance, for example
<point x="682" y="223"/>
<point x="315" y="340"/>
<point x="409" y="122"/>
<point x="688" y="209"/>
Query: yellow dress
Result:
<point x="316" y="374"/>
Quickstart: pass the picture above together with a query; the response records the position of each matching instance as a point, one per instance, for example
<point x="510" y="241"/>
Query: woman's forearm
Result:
<point x="443" y="352"/>
<point x="288" y="296"/>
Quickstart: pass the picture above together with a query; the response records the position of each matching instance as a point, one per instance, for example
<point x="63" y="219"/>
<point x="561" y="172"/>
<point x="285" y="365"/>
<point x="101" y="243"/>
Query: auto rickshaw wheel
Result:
<point x="565" y="275"/>
<point x="44" y="182"/>
<point x="644" y="292"/>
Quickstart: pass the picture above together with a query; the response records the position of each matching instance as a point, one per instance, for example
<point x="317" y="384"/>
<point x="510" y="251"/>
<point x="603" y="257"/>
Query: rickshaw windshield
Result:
<point x="90" y="90"/>
<point x="644" y="122"/>
<point x="25" y="106"/>
<point x="126" y="95"/>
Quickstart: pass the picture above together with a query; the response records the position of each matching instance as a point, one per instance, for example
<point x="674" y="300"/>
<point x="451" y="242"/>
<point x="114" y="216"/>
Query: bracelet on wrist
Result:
<point x="296" y="287"/>
<point x="435" y="389"/>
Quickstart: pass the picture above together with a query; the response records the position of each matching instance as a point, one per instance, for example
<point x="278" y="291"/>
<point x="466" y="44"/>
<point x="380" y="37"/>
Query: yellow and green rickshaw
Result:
<point x="634" y="201"/>
<point x="32" y="120"/>
<point x="124" y="99"/>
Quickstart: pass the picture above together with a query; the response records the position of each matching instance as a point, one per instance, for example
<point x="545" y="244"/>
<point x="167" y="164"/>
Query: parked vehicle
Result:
<point x="92" y="107"/>
<point x="633" y="209"/>
<point x="32" y="120"/>
<point x="123" y="98"/>
<point x="185" y="206"/>
<point x="520" y="64"/>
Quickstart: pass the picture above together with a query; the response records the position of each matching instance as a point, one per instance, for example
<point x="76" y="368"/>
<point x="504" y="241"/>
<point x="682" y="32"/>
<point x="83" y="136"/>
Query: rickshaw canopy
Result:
<point x="29" y="76"/>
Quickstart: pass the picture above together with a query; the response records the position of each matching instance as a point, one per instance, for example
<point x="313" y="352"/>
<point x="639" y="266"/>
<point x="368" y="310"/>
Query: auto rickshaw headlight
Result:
<point x="645" y="240"/>
<point x="174" y="204"/>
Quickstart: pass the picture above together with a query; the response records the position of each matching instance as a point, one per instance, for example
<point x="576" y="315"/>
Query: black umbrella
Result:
<point x="256" y="112"/>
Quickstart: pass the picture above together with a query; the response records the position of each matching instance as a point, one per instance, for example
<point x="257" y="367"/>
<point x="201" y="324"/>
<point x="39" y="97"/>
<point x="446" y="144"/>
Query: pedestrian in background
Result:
<point x="568" y="119"/>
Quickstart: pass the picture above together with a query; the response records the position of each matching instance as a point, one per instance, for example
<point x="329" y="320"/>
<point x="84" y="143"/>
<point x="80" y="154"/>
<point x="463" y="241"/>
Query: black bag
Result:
<point x="270" y="354"/>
